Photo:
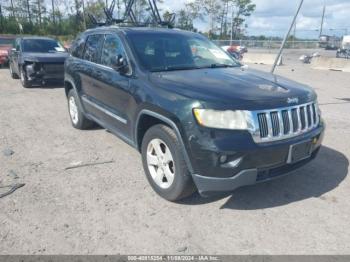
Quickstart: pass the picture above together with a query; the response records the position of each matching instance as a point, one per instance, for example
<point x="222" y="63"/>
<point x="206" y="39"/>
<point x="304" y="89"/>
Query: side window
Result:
<point x="111" y="49"/>
<point x="92" y="48"/>
<point x="78" y="47"/>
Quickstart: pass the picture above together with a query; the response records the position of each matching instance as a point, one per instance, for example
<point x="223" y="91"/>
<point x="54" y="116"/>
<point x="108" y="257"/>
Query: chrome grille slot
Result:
<point x="278" y="124"/>
<point x="295" y="120"/>
<point x="275" y="124"/>
<point x="302" y="117"/>
<point x="263" y="125"/>
<point x="314" y="113"/>
<point x="309" y="117"/>
<point x="286" y="122"/>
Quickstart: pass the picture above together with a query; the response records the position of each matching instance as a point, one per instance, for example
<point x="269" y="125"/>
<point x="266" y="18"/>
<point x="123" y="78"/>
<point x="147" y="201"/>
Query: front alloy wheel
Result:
<point x="73" y="110"/>
<point x="164" y="163"/>
<point x="160" y="163"/>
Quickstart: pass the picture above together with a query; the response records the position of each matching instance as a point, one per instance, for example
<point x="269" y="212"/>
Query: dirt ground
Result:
<point x="111" y="209"/>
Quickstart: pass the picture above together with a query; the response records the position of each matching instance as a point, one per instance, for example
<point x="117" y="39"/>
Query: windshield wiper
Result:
<point x="175" y="68"/>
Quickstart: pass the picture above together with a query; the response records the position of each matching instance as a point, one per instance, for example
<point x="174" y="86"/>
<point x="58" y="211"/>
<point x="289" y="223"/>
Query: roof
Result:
<point x="37" y="38"/>
<point x="131" y="30"/>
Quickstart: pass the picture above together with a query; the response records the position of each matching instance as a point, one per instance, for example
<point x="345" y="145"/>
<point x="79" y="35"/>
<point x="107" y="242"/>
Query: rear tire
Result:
<point x="77" y="117"/>
<point x="24" y="79"/>
<point x="164" y="164"/>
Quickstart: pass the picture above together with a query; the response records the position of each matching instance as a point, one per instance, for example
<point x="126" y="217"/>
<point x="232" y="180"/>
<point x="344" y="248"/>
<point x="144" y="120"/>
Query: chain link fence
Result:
<point x="267" y="44"/>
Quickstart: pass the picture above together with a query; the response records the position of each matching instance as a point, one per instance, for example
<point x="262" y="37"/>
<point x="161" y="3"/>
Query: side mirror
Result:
<point x="245" y="67"/>
<point x="120" y="64"/>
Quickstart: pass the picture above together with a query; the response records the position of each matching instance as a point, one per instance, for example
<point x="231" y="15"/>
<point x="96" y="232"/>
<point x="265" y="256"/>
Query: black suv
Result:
<point x="200" y="119"/>
<point x="37" y="60"/>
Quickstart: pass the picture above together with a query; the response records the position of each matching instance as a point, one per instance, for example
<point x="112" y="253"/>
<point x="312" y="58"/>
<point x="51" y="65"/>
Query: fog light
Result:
<point x="234" y="163"/>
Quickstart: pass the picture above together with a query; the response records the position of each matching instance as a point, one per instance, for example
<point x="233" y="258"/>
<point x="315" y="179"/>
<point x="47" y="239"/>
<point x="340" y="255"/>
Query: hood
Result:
<point x="5" y="47"/>
<point x="58" y="57"/>
<point x="235" y="86"/>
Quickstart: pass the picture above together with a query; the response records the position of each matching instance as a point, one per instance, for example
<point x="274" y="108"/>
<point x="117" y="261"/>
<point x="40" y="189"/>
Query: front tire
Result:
<point x="77" y="117"/>
<point x="164" y="164"/>
<point x="12" y="73"/>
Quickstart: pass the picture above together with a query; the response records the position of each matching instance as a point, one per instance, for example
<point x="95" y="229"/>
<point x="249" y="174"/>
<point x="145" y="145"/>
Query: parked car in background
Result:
<point x="200" y="120"/>
<point x="37" y="60"/>
<point x="6" y="44"/>
<point x="236" y="51"/>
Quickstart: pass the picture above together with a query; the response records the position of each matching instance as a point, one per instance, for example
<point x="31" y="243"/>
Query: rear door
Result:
<point x="89" y="71"/>
<point x="112" y="89"/>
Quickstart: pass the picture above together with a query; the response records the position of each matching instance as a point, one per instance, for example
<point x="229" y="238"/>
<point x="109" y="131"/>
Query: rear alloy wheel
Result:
<point x="164" y="163"/>
<point x="24" y="79"/>
<point x="76" y="114"/>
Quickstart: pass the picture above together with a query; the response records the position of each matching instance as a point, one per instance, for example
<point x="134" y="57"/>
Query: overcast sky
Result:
<point x="272" y="17"/>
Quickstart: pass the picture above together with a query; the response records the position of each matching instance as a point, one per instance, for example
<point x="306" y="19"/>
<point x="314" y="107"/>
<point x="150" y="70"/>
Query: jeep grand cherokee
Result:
<point x="200" y="120"/>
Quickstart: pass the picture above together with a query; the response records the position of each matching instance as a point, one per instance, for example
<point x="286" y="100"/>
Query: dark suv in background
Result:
<point x="37" y="60"/>
<point x="200" y="120"/>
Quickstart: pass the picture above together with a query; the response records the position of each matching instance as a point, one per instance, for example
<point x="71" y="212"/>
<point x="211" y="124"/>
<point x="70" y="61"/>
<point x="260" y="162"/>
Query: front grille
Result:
<point x="287" y="122"/>
<point x="53" y="68"/>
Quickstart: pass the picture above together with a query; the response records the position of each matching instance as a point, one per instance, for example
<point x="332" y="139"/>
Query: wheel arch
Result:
<point x="146" y="119"/>
<point x="69" y="85"/>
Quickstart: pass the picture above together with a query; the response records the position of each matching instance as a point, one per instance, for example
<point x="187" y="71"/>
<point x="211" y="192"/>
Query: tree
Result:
<point x="241" y="9"/>
<point x="186" y="16"/>
<point x="211" y="9"/>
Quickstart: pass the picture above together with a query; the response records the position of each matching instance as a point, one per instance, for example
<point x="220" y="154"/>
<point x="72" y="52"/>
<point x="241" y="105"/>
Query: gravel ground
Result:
<point x="110" y="208"/>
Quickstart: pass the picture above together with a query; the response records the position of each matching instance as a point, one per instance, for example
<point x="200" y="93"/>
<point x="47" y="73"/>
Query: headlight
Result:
<point x="238" y="119"/>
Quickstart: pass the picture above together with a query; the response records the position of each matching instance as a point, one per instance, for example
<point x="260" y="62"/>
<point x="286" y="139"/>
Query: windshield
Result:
<point x="6" y="41"/>
<point x="42" y="46"/>
<point x="169" y="51"/>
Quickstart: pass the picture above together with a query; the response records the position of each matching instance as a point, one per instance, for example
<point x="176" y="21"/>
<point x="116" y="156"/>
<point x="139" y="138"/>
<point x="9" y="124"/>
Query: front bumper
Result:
<point x="252" y="163"/>
<point x="36" y="72"/>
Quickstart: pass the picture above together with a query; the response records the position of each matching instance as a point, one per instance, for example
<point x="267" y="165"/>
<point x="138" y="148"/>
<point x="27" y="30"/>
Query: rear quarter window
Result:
<point x="78" y="47"/>
<point x="93" y="47"/>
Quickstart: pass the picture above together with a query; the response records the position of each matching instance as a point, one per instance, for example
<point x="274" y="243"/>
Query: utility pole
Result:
<point x="322" y="21"/>
<point x="286" y="37"/>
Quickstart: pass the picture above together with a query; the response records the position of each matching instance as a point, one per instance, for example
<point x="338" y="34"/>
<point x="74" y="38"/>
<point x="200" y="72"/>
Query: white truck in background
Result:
<point x="344" y="51"/>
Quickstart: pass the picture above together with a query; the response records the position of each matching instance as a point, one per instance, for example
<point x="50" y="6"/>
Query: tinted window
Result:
<point x="111" y="49"/>
<point x="78" y="47"/>
<point x="41" y="46"/>
<point x="169" y="51"/>
<point x="92" y="48"/>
